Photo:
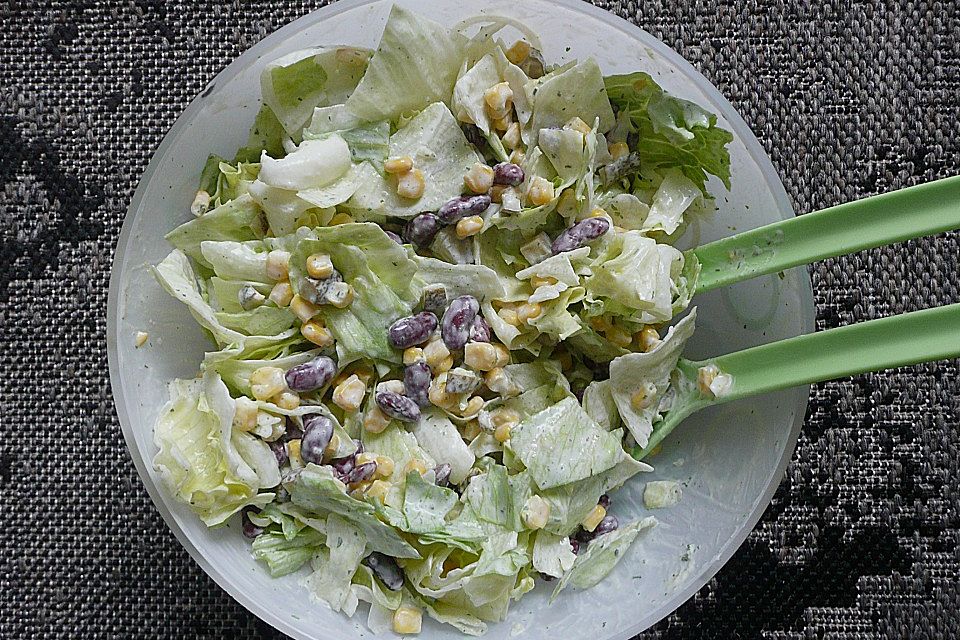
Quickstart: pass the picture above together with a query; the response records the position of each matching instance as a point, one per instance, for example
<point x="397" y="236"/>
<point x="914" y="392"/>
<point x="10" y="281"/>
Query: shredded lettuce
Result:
<point x="335" y="563"/>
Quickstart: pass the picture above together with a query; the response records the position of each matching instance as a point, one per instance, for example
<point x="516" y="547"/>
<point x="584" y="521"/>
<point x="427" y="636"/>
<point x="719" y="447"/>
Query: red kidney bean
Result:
<point x="458" y="321"/>
<point x="416" y="382"/>
<point x="604" y="501"/>
<point x="317" y="433"/>
<point x="579" y="234"/>
<point x="442" y="472"/>
<point x="393" y="236"/>
<point x="361" y="472"/>
<point x="508" y="173"/>
<point x="385" y="569"/>
<point x="397" y="406"/>
<point x="250" y="530"/>
<point x="480" y="331"/>
<point x="412" y="330"/>
<point x="279" y="448"/>
<point x="311" y="375"/>
<point x="462" y="206"/>
<point x="422" y="230"/>
<point x="608" y="524"/>
<point x="343" y="466"/>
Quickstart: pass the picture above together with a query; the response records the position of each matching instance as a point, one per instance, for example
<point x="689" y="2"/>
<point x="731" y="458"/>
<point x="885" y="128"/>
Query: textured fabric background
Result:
<point x="850" y="98"/>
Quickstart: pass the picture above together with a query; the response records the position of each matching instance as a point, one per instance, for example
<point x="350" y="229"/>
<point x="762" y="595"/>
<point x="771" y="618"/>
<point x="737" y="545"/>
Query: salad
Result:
<point x="439" y="279"/>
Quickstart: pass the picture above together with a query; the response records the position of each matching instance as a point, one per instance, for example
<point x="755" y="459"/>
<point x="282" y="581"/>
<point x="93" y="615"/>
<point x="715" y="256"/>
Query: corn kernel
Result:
<point x="385" y="466"/>
<point x="618" y="150"/>
<point x="393" y="386"/>
<point x="411" y="184"/>
<point x="511" y="139"/>
<point x="340" y="294"/>
<point x="540" y="191"/>
<point x="412" y="354"/>
<point x="473" y="406"/>
<point x="470" y="430"/>
<point x="647" y="338"/>
<point x="712" y="382"/>
<point x="479" y="178"/>
<point x="267" y="382"/>
<point x="535" y="512"/>
<point x="398" y="165"/>
<point x="542" y="281"/>
<point x="438" y="394"/>
<point x="281" y="294"/>
<point x="577" y="124"/>
<point x="601" y="324"/>
<point x="504" y="415"/>
<point x="481" y="356"/>
<point x="498" y="381"/>
<point x="469" y="226"/>
<point x="529" y="311"/>
<point x="289" y="400"/>
<point x="503" y="355"/>
<point x="445" y="365"/>
<point x="502" y="124"/>
<point x="375" y="420"/>
<point x="302" y="309"/>
<point x="378" y="490"/>
<point x="407" y="620"/>
<point x="593" y="518"/>
<point x="278" y="265"/>
<point x="317" y="333"/>
<point x="619" y="337"/>
<point x="319" y="266"/>
<point x="364" y="458"/>
<point x="644" y="396"/>
<point x="140" y="338"/>
<point x="435" y="352"/>
<point x="502" y="433"/>
<point x="519" y="52"/>
<point x="517" y="156"/>
<point x="359" y="489"/>
<point x="415" y="464"/>
<point x="499" y="99"/>
<point x="293" y="452"/>
<point x="341" y="218"/>
<point x="509" y="315"/>
<point x="245" y="414"/>
<point x="332" y="447"/>
<point x="348" y="395"/>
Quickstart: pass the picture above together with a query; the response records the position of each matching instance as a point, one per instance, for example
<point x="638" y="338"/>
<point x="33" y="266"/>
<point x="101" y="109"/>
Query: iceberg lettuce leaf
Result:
<point x="284" y="555"/>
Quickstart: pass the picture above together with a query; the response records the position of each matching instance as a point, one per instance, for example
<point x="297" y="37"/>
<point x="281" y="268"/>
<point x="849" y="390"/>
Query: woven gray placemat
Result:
<point x="849" y="98"/>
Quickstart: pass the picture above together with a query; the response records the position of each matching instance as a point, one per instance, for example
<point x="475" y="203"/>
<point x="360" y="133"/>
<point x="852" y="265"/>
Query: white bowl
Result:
<point x="730" y="459"/>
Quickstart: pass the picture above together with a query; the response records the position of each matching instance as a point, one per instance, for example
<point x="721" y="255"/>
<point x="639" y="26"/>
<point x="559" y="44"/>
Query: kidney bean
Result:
<point x="250" y="530"/>
<point x="462" y="206"/>
<point x="343" y="466"/>
<point x="361" y="472"/>
<point x="279" y="449"/>
<point x="458" y="321"/>
<point x="397" y="406"/>
<point x="480" y="331"/>
<point x="412" y="330"/>
<point x="579" y="234"/>
<point x="317" y="433"/>
<point x="508" y="173"/>
<point x="416" y="382"/>
<point x="608" y="524"/>
<point x="385" y="569"/>
<point x="393" y="236"/>
<point x="442" y="472"/>
<point x="311" y="375"/>
<point x="422" y="230"/>
<point x="604" y="501"/>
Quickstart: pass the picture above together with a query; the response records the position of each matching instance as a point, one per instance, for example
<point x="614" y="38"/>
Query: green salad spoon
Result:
<point x="892" y="217"/>
<point x="910" y="338"/>
<point x="896" y="341"/>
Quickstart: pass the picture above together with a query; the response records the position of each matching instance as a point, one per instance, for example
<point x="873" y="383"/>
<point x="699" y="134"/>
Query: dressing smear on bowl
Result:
<point x="439" y="282"/>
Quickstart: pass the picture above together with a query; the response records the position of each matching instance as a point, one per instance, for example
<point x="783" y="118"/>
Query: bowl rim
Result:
<point x="746" y="136"/>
